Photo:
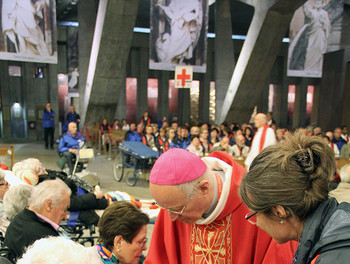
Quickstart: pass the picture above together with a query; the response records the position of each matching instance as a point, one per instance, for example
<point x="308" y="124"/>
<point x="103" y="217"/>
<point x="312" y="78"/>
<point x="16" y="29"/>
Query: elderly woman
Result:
<point x="123" y="231"/>
<point x="15" y="200"/>
<point x="342" y="192"/>
<point x="57" y="250"/>
<point x="287" y="190"/>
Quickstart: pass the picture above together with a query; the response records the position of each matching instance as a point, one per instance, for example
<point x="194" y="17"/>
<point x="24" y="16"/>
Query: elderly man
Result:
<point x="202" y="220"/>
<point x="240" y="149"/>
<point x="48" y="205"/>
<point x="265" y="136"/>
<point x="69" y="144"/>
<point x="223" y="145"/>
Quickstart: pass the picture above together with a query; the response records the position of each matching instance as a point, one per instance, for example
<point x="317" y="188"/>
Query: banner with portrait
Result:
<point x="178" y="34"/>
<point x="315" y="30"/>
<point x="28" y="30"/>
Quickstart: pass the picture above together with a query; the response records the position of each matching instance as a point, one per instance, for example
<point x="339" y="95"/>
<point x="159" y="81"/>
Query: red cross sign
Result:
<point x="183" y="76"/>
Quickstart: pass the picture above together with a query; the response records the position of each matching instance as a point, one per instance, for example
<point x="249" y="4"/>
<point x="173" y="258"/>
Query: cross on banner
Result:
<point x="183" y="76"/>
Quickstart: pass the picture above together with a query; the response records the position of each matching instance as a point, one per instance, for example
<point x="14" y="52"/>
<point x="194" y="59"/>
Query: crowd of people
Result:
<point x="282" y="207"/>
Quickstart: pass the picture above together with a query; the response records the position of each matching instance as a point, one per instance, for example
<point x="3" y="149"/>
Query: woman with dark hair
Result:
<point x="248" y="134"/>
<point x="123" y="231"/>
<point x="286" y="190"/>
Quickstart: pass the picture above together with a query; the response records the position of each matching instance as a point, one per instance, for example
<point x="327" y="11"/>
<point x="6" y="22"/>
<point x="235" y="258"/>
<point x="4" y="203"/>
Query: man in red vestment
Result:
<point x="203" y="219"/>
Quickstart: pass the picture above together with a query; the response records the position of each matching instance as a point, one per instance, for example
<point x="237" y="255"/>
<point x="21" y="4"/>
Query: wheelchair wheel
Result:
<point x="118" y="171"/>
<point x="131" y="177"/>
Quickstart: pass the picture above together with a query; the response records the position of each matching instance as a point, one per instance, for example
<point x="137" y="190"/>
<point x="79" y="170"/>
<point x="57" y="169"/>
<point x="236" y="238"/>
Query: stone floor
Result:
<point x="100" y="165"/>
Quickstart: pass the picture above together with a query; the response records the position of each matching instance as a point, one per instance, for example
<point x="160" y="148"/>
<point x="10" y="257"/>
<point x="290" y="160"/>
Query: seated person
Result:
<point x="69" y="145"/>
<point x="132" y="134"/>
<point x="15" y="200"/>
<point x="195" y="147"/>
<point x="171" y="141"/>
<point x="240" y="149"/>
<point x="223" y="145"/>
<point x="105" y="128"/>
<point x="47" y="208"/>
<point x="148" y="139"/>
<point x="184" y="137"/>
<point x="4" y="187"/>
<point x="58" y="250"/>
<point x="204" y="141"/>
<point x="161" y="139"/>
<point x="342" y="192"/>
<point x="86" y="202"/>
<point x="122" y="241"/>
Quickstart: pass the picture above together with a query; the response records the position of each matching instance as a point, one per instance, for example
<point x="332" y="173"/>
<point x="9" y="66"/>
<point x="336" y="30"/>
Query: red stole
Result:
<point x="262" y="139"/>
<point x="332" y="145"/>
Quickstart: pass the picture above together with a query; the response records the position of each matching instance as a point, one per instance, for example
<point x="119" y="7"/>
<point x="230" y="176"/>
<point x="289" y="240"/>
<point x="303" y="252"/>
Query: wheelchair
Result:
<point x="81" y="163"/>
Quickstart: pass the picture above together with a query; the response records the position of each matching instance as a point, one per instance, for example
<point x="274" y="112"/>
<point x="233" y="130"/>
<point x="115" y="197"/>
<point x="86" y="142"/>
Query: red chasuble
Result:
<point x="229" y="238"/>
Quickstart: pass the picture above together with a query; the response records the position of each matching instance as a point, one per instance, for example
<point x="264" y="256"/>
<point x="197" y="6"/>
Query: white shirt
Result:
<point x="270" y="139"/>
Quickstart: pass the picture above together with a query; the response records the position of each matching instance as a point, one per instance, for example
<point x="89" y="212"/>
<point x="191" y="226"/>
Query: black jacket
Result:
<point x="326" y="233"/>
<point x="24" y="230"/>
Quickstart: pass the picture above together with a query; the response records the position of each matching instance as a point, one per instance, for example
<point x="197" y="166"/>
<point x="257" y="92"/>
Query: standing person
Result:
<point x="145" y="119"/>
<point x="287" y="192"/>
<point x="265" y="136"/>
<point x="72" y="116"/>
<point x="49" y="125"/>
<point x="202" y="220"/>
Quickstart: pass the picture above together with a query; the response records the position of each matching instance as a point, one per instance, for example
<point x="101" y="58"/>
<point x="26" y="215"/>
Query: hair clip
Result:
<point x="304" y="160"/>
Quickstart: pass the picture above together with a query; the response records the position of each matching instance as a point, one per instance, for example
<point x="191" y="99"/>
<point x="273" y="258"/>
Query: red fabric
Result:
<point x="173" y="242"/>
<point x="148" y="122"/>
<point x="262" y="139"/>
<point x="315" y="259"/>
<point x="109" y="129"/>
<point x="4" y="167"/>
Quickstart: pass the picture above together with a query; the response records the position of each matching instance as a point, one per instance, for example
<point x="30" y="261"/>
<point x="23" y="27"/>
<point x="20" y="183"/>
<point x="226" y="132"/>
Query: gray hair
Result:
<point x="30" y="164"/>
<point x="16" y="199"/>
<point x="191" y="188"/>
<point x="345" y="173"/>
<point x="58" y="250"/>
<point x="49" y="189"/>
<point x="2" y="174"/>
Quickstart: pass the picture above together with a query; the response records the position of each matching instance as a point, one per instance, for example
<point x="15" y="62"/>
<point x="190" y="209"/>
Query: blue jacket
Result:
<point x="71" y="118"/>
<point x="48" y="119"/>
<point x="133" y="136"/>
<point x="69" y="142"/>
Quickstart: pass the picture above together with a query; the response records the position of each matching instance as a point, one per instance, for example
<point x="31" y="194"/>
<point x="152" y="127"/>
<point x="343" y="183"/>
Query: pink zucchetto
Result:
<point x="177" y="166"/>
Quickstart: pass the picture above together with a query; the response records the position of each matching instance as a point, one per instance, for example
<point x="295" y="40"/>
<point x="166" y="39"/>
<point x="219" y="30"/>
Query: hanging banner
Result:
<point x="178" y="34"/>
<point x="183" y="76"/>
<point x="28" y="30"/>
<point x="315" y="30"/>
